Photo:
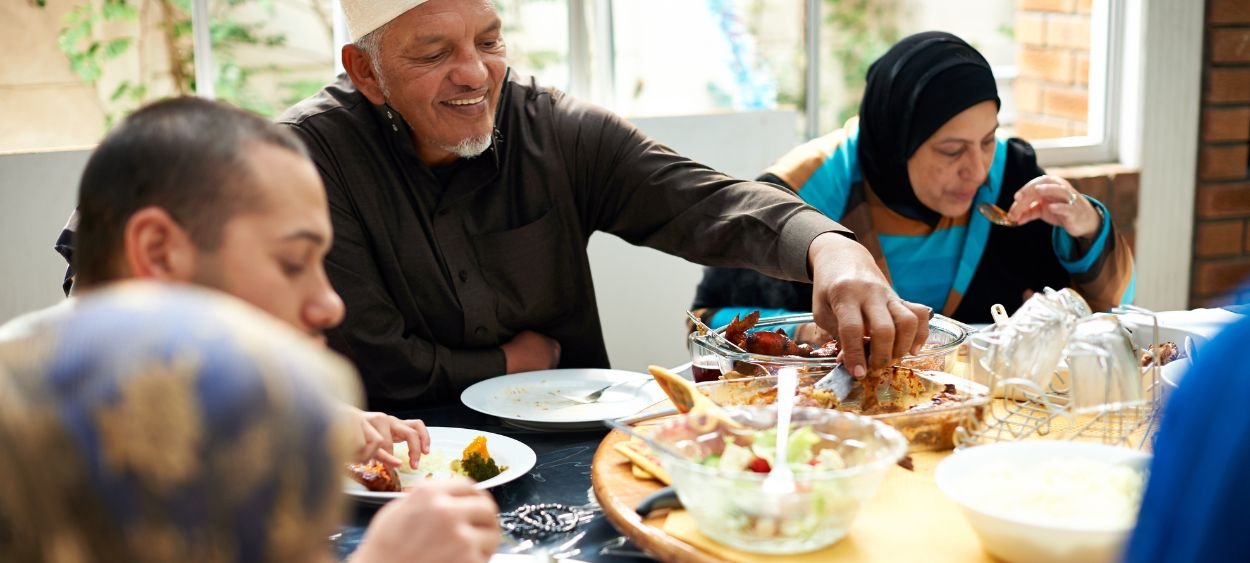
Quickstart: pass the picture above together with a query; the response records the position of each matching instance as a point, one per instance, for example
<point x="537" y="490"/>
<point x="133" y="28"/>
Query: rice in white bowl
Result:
<point x="1070" y="492"/>
<point x="1040" y="501"/>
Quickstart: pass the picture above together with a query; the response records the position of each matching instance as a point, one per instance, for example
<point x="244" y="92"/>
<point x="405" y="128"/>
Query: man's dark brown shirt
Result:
<point x="438" y="268"/>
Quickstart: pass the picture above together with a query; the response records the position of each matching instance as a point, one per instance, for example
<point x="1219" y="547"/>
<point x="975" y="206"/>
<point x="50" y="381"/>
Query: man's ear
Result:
<point x="156" y="247"/>
<point x="359" y="68"/>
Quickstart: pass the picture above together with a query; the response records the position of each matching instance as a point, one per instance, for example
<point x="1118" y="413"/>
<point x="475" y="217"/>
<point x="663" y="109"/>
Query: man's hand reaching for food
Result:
<point x="852" y="299"/>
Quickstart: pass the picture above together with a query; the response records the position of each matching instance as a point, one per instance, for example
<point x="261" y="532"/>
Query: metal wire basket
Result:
<point x="1028" y="410"/>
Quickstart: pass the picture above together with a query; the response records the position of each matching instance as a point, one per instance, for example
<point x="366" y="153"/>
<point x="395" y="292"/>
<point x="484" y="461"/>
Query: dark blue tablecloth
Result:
<point x="561" y="475"/>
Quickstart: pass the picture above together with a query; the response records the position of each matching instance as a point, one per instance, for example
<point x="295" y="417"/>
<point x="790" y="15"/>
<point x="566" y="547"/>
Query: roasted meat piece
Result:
<point x="375" y="476"/>
<point x="1168" y="351"/>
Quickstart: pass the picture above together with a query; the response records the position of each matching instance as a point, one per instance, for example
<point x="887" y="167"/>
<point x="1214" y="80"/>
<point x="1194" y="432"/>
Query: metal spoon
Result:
<point x="703" y="328"/>
<point x="996" y="215"/>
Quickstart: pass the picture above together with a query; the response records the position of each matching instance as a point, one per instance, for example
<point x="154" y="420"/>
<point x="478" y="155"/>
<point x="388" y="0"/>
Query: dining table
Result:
<point x="899" y="522"/>
<point x="560" y="475"/>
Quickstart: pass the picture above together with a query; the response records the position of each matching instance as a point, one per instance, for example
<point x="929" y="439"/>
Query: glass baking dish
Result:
<point x="712" y="358"/>
<point x="928" y="426"/>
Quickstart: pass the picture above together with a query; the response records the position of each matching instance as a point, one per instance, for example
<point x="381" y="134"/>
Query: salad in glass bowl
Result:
<point x="838" y="460"/>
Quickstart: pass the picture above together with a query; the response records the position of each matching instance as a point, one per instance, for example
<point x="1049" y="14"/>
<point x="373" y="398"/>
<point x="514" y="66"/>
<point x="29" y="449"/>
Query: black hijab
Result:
<point x="916" y="87"/>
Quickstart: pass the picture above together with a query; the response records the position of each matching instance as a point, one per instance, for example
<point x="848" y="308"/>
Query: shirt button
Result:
<point x="464" y="277"/>
<point x="480" y="332"/>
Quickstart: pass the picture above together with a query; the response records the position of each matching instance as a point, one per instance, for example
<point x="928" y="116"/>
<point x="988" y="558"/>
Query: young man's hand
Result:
<point x="437" y="520"/>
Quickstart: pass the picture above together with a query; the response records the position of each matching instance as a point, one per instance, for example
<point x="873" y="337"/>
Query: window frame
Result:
<point x="591" y="75"/>
<point x="592" y="18"/>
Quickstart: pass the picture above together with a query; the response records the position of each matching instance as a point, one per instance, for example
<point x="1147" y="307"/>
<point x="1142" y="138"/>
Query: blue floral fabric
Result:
<point x="156" y="423"/>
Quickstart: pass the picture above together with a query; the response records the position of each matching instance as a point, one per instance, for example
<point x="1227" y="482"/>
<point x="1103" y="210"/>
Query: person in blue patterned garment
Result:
<point x="159" y="423"/>
<point x="1195" y="502"/>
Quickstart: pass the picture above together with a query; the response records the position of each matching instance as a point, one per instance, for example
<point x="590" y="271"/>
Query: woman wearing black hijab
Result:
<point x="905" y="176"/>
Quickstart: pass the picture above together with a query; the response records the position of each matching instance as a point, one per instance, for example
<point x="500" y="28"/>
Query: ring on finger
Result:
<point x="1071" y="197"/>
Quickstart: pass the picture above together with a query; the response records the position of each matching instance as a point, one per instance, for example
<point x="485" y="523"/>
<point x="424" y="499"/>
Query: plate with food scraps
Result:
<point x="538" y="400"/>
<point x="451" y="454"/>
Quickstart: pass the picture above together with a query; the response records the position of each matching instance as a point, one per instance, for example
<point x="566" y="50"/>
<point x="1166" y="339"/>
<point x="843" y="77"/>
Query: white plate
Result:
<point x="1173" y="371"/>
<point x="514" y="455"/>
<point x="525" y="399"/>
<point x="525" y="558"/>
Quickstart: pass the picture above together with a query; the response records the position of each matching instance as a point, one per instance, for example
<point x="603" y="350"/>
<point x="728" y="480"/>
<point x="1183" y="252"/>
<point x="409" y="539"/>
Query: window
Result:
<point x="704" y="57"/>
<point x="78" y="66"/>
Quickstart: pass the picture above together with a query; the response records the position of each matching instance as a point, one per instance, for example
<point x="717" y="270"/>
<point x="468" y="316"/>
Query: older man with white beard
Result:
<point x="463" y="195"/>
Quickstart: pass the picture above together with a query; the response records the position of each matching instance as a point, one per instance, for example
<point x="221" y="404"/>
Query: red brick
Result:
<point x="1030" y="29"/>
<point x="1065" y="6"/>
<point x="1220" y="276"/>
<point x="1212" y="301"/>
<point x="1223" y="162"/>
<point x="1213" y="239"/>
<point x="1228" y="85"/>
<point x="1126" y="223"/>
<point x="1069" y="32"/>
<point x="1125" y="188"/>
<point x="1096" y="187"/>
<point x="1229" y="11"/>
<point x="1084" y="6"/>
<point x="1080" y="68"/>
<point x="1035" y="129"/>
<point x="1028" y="95"/>
<point x="1226" y="124"/>
<point x="1066" y="102"/>
<point x="1046" y="64"/>
<point x="1223" y="200"/>
<point x="1229" y="45"/>
<point x="1247" y="247"/>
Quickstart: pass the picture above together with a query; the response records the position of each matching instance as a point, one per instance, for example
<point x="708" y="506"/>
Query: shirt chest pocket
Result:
<point x="532" y="270"/>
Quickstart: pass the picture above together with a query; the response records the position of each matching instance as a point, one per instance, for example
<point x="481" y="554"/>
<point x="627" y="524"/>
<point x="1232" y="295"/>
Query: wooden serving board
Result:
<point x="908" y="519"/>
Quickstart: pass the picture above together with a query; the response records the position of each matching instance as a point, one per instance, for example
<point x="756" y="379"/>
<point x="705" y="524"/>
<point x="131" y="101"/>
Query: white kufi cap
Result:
<point x="364" y="16"/>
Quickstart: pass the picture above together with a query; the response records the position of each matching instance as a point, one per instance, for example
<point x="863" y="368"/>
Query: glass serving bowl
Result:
<point x="731" y="506"/>
<point x="712" y="358"/>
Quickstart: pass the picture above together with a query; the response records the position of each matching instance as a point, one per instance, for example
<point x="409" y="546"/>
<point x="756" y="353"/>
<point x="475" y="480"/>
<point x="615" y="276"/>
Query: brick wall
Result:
<point x="1052" y="89"/>
<point x="1115" y="185"/>
<point x="1222" y="209"/>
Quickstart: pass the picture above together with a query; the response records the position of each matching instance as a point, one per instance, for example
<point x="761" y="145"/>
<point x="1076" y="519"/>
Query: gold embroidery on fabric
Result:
<point x="155" y="429"/>
<point x="67" y="547"/>
<point x="288" y="529"/>
<point x="157" y="541"/>
<point x="249" y="461"/>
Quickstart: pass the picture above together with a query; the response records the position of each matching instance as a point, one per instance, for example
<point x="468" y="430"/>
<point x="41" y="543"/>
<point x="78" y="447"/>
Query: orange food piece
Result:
<point x="375" y="476"/>
<point x="478" y="445"/>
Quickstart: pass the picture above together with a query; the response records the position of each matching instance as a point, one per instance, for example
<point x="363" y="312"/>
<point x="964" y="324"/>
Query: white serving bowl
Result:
<point x="1020" y="534"/>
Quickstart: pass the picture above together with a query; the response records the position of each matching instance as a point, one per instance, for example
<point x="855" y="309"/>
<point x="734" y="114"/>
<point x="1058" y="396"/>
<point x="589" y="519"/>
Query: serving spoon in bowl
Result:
<point x="780" y="479"/>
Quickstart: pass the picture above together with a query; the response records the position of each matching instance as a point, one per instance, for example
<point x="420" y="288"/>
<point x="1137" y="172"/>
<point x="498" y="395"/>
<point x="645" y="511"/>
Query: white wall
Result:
<point x="642" y="293"/>
<point x="37" y="194"/>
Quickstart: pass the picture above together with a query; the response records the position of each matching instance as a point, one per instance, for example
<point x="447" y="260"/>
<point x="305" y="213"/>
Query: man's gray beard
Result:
<point x="471" y="147"/>
<point x="468" y="148"/>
